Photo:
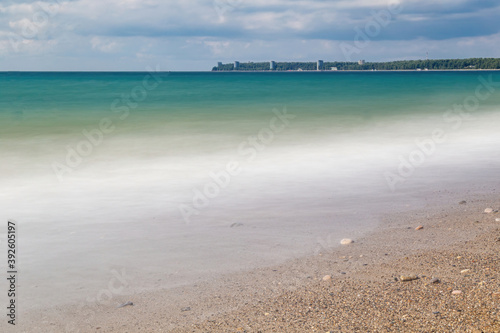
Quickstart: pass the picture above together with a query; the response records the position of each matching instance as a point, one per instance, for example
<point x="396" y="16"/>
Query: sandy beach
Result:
<point x="455" y="258"/>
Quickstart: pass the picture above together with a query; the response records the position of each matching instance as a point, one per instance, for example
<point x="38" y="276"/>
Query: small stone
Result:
<point x="435" y="312"/>
<point x="346" y="241"/>
<point x="497" y="219"/>
<point x="488" y="210"/>
<point x="419" y="227"/>
<point x="327" y="278"/>
<point x="463" y="202"/>
<point x="435" y="280"/>
<point x="456" y="292"/>
<point x="465" y="271"/>
<point x="266" y="314"/>
<point x="125" y="304"/>
<point x="459" y="257"/>
<point x="187" y="308"/>
<point x="408" y="277"/>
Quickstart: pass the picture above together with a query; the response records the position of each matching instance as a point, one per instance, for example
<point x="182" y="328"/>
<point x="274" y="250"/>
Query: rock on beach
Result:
<point x="346" y="241"/>
<point x="408" y="277"/>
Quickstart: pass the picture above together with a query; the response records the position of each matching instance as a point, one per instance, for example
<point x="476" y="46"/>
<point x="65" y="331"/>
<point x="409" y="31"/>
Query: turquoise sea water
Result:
<point x="185" y="175"/>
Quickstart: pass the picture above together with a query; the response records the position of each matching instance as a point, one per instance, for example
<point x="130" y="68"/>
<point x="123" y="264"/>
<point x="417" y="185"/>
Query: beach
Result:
<point x="202" y="201"/>
<point x="356" y="287"/>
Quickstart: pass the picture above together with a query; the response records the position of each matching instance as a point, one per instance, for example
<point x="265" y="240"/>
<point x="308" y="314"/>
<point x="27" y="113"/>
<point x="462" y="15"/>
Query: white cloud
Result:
<point x="194" y="31"/>
<point x="106" y="45"/>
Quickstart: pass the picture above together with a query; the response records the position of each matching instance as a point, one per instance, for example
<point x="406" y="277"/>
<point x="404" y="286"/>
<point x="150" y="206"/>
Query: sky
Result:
<point x="193" y="35"/>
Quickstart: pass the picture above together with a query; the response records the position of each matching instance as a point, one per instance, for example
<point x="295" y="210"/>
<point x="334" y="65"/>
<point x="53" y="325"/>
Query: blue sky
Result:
<point x="195" y="35"/>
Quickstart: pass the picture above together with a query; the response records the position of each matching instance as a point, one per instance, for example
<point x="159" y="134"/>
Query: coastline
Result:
<point x="293" y="296"/>
<point x="361" y="70"/>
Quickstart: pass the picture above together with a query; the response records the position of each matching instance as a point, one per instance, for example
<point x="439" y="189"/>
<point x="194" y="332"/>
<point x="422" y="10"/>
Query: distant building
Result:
<point x="320" y="65"/>
<point x="219" y="65"/>
<point x="361" y="62"/>
<point x="335" y="69"/>
<point x="236" y="65"/>
<point x="272" y="65"/>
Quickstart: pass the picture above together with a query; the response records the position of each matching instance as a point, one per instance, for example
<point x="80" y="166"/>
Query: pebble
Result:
<point x="408" y="277"/>
<point x="435" y="280"/>
<point x="327" y="278"/>
<point x="187" y="308"/>
<point x="419" y="227"/>
<point x="488" y="210"/>
<point x="465" y="271"/>
<point x="346" y="241"/>
<point x="498" y="219"/>
<point x="463" y="202"/>
<point x="124" y="304"/>
<point x="456" y="292"/>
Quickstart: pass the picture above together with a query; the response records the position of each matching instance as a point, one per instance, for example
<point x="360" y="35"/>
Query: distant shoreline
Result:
<point x="263" y="71"/>
<point x="354" y="70"/>
<point x="362" y="65"/>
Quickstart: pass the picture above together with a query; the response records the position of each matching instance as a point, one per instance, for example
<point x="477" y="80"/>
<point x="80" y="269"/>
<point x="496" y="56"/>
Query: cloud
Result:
<point x="104" y="44"/>
<point x="205" y="30"/>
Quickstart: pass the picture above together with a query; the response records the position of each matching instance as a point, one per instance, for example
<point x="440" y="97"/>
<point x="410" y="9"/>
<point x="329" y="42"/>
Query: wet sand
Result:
<point x="459" y="245"/>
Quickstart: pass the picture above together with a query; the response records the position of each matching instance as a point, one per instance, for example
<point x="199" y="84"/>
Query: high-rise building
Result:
<point x="319" y="65"/>
<point x="219" y="65"/>
<point x="272" y="65"/>
<point x="236" y="65"/>
<point x="361" y="62"/>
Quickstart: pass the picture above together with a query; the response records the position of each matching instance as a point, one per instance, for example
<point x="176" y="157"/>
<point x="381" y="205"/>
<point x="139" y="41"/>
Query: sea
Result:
<point x="125" y="182"/>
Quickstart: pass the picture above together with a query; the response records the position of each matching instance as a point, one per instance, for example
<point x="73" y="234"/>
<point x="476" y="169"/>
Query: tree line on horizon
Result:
<point x="472" y="63"/>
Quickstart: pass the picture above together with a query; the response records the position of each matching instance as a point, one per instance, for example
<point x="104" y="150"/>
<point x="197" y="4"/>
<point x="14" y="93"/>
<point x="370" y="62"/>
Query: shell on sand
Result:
<point x="488" y="210"/>
<point x="419" y="227"/>
<point x="346" y="241"/>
